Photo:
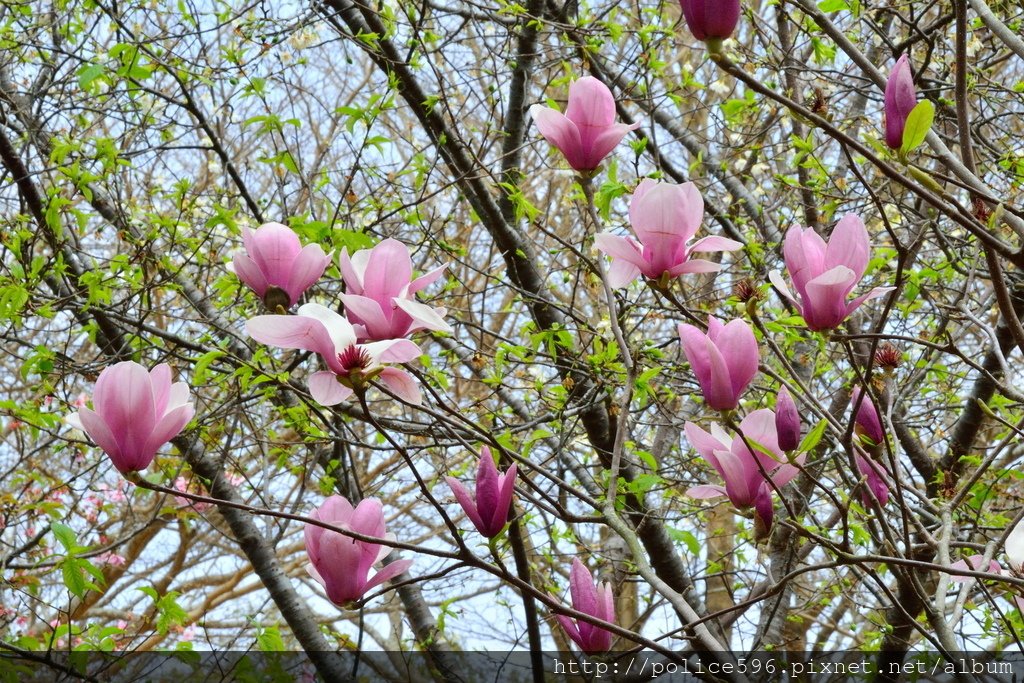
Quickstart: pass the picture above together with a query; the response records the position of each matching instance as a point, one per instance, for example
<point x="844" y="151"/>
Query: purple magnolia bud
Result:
<point x="787" y="421"/>
<point x="665" y="217"/>
<point x="342" y="564"/>
<point x="711" y="20"/>
<point x="489" y="509"/>
<point x="276" y="266"/>
<point x="900" y="100"/>
<point x="867" y="422"/>
<point x="596" y="601"/>
<point x="135" y="412"/>
<point x="349" y="365"/>
<point x="724" y="360"/>
<point x="380" y="294"/>
<point x="586" y="133"/>
<point x="824" y="273"/>
<point x="875" y="477"/>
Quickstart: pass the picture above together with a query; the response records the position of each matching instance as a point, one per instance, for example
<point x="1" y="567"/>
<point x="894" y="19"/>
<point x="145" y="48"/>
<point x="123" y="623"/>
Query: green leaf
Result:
<point x="65" y="536"/>
<point x="918" y="124"/>
<point x="813" y="437"/>
<point x="832" y="5"/>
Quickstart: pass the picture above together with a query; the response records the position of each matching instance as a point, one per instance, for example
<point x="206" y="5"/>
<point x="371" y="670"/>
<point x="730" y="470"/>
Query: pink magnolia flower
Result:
<point x="587" y="132"/>
<point x="342" y="564"/>
<point x="489" y="510"/>
<point x="596" y="601"/>
<point x="900" y="100"/>
<point x="746" y="470"/>
<point x="665" y="217"/>
<point x="824" y="274"/>
<point x="135" y="412"/>
<point x="867" y="423"/>
<point x="787" y="421"/>
<point x="276" y="266"/>
<point x="350" y="365"/>
<point x="380" y="293"/>
<point x="724" y="360"/>
<point x="711" y="19"/>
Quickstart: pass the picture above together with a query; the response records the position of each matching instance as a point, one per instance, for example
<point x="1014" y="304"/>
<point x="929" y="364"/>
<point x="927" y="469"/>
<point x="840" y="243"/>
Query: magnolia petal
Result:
<point x="467" y="503"/>
<point x="873" y="294"/>
<point x="368" y="313"/>
<point x="307" y="268"/>
<point x="169" y="426"/>
<point x="292" y="332"/>
<point x="393" y="351"/>
<point x="560" y="132"/>
<point x="93" y="425"/>
<point x="848" y="246"/>
<point x="326" y="390"/>
<point x="389" y="572"/>
<point x="388" y="271"/>
<point x="706" y="491"/>
<point x="249" y="273"/>
<point x="401" y="384"/>
<point x="715" y="243"/>
<point x="606" y="140"/>
<point x="337" y="327"/>
<point x="582" y="589"/>
<point x="1015" y="547"/>
<point x="591" y="103"/>
<point x="775" y="277"/>
<point x="824" y="304"/>
<point x="425" y="317"/>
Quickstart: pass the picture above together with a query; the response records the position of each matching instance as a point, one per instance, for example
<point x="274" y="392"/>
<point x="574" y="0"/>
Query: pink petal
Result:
<point x="1014" y="547"/>
<point x="824" y="304"/>
<point x="326" y="390"/>
<point x="715" y="243"/>
<point x="368" y="313"/>
<point x="307" y="268"/>
<point x="393" y="351"/>
<point x="849" y="246"/>
<point x="560" y="132"/>
<point x="465" y="500"/>
<point x="273" y="248"/>
<point x="704" y="443"/>
<point x="167" y="428"/>
<point x="581" y="587"/>
<point x="425" y="317"/>
<point x="706" y="491"/>
<point x="388" y="271"/>
<point x="96" y="428"/>
<point x="775" y="277"/>
<point x="606" y="139"/>
<point x="590" y="103"/>
<point x="249" y="273"/>
<point x="804" y="253"/>
<point x="738" y="347"/>
<point x="873" y="294"/>
<point x="124" y="399"/>
<point x="426" y="279"/>
<point x="506" y="489"/>
<point x="338" y="328"/>
<point x="401" y="384"/>
<point x="339" y="567"/>
<point x="389" y="572"/>
<point x="293" y="332"/>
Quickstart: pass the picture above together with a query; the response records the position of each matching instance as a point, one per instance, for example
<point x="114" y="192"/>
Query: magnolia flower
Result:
<point x="587" y="132"/>
<point x="746" y="470"/>
<point x="342" y="564"/>
<point x="597" y="601"/>
<point x="824" y="274"/>
<point x="135" y="412"/>
<point x="787" y="421"/>
<point x="665" y="217"/>
<point x="276" y="266"/>
<point x="867" y="422"/>
<point x="711" y="20"/>
<point x="350" y="365"/>
<point x="900" y="100"/>
<point x="380" y="293"/>
<point x="724" y="360"/>
<point x="489" y="510"/>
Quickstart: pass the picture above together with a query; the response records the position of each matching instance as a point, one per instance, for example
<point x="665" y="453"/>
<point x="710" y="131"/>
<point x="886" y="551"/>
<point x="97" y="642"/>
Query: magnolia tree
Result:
<point x="588" y="327"/>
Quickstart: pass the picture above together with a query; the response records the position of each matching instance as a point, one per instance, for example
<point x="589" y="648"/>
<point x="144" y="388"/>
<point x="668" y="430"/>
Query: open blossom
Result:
<point x="350" y="365"/>
<point x="596" y="601"/>
<point x="665" y="217"/>
<point x="135" y="412"/>
<point x="710" y="20"/>
<point x="587" y="132"/>
<point x="488" y="510"/>
<point x="342" y="564"/>
<point x="746" y="471"/>
<point x="724" y="360"/>
<point x="276" y="266"/>
<point x="824" y="273"/>
<point x="380" y="293"/>
<point x="900" y="100"/>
